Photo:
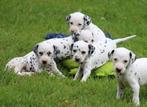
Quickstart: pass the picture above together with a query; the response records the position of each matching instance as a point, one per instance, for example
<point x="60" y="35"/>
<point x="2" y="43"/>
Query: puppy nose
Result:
<point x="77" y="59"/>
<point x="44" y="62"/>
<point x="72" y="31"/>
<point x="118" y="70"/>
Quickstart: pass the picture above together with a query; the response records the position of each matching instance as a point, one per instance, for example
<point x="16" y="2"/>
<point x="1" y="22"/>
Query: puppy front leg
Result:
<point x="19" y="68"/>
<point x="135" y="88"/>
<point x="78" y="74"/>
<point x="86" y="74"/>
<point x="55" y="69"/>
<point x="120" y="90"/>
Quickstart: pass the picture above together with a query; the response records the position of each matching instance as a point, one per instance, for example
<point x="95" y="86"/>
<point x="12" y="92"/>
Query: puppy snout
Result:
<point x="44" y="62"/>
<point x="118" y="70"/>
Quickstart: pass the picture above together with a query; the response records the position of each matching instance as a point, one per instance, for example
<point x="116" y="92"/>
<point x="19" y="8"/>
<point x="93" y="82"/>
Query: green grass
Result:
<point x="23" y="23"/>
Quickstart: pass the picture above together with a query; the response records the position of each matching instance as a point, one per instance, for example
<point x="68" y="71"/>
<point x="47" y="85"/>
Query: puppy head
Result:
<point x="81" y="51"/>
<point x="45" y="53"/>
<point x="121" y="58"/>
<point x="77" y="21"/>
<point x="87" y="36"/>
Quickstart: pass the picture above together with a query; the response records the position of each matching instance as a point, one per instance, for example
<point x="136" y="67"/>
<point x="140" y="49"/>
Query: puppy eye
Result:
<point x="40" y="53"/>
<point x="48" y="53"/>
<point x="115" y="59"/>
<point x="125" y="61"/>
<point x="83" y="52"/>
<point x="86" y="41"/>
<point x="74" y="51"/>
<point x="92" y="40"/>
<point x="79" y="24"/>
<point x="71" y="23"/>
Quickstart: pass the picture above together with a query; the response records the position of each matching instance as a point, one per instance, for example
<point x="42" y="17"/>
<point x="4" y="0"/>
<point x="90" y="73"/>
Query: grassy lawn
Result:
<point x="23" y="23"/>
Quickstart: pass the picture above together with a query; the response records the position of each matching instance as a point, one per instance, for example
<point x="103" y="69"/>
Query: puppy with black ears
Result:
<point x="129" y="70"/>
<point x="78" y="21"/>
<point x="41" y="58"/>
<point x="89" y="56"/>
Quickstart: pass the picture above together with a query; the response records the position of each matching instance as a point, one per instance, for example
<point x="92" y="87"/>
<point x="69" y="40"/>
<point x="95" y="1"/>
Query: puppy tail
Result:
<point x="123" y="39"/>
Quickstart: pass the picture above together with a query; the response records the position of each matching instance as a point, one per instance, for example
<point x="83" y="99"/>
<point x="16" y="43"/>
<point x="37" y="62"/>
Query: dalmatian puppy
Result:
<point x="90" y="56"/>
<point x="129" y="71"/>
<point x="78" y="21"/>
<point x="42" y="57"/>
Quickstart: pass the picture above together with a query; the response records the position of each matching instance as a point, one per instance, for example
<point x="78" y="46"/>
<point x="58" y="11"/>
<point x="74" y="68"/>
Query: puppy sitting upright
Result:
<point x="129" y="71"/>
<point x="78" y="21"/>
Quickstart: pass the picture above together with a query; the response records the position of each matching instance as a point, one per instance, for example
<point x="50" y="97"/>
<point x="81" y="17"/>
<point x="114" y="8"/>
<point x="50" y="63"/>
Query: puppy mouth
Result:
<point x="80" y="62"/>
<point x="44" y="64"/>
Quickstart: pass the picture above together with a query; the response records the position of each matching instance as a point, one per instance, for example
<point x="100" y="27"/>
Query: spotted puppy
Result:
<point x="129" y="70"/>
<point x="42" y="57"/>
<point x="78" y="21"/>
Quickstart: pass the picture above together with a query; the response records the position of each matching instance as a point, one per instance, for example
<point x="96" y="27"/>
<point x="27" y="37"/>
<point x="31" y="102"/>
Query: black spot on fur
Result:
<point x="112" y="51"/>
<point x="68" y="18"/>
<point x="71" y="46"/>
<point x="130" y="54"/>
<point x="64" y="46"/>
<point x="35" y="49"/>
<point x="102" y="51"/>
<point x="56" y="50"/>
<point x="91" y="49"/>
<point x="102" y="62"/>
<point x="105" y="41"/>
<point x="139" y="79"/>
<point x="87" y="20"/>
<point x="135" y="73"/>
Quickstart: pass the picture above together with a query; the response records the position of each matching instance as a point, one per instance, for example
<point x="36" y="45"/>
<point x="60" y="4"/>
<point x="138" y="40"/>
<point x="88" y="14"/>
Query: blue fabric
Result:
<point x="55" y="35"/>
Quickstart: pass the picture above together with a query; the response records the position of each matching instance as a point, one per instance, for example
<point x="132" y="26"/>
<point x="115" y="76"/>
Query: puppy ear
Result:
<point x="76" y="36"/>
<point x="68" y="18"/>
<point x="56" y="50"/>
<point x="35" y="49"/>
<point x="91" y="49"/>
<point x="110" y="54"/>
<point x="87" y="20"/>
<point x="132" y="57"/>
